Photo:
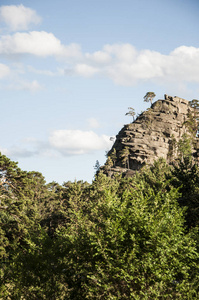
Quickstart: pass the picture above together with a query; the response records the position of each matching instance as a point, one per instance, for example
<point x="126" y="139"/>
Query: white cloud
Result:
<point x="121" y="52"/>
<point x="64" y="142"/>
<point x="183" y="64"/>
<point x="121" y="63"/>
<point x="72" y="50"/>
<point x="85" y="70"/>
<point x="4" y="71"/>
<point x="35" y="43"/>
<point x="100" y="57"/>
<point x="126" y="66"/>
<point x="71" y="142"/>
<point x="38" y="43"/>
<point x="18" y="17"/>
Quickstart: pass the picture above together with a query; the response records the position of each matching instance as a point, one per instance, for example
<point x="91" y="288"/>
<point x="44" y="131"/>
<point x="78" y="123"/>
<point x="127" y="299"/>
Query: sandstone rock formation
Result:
<point x="152" y="136"/>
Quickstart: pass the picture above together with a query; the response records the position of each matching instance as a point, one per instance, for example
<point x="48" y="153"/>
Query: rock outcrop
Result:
<point x="152" y="135"/>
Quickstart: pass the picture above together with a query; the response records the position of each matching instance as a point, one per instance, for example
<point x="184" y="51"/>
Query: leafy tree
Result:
<point x="117" y="238"/>
<point x="195" y="105"/>
<point x="191" y="124"/>
<point x="131" y="112"/>
<point x="183" y="174"/>
<point x="108" y="164"/>
<point x="172" y="148"/>
<point x="149" y="97"/>
<point x="113" y="156"/>
<point x="185" y="177"/>
<point x="184" y="147"/>
<point x="124" y="155"/>
<point x="22" y="196"/>
<point x="195" y="118"/>
<point x="156" y="176"/>
<point x="131" y="246"/>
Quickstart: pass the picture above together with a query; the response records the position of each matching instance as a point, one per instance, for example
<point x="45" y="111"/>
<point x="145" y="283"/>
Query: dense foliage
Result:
<point x="117" y="238"/>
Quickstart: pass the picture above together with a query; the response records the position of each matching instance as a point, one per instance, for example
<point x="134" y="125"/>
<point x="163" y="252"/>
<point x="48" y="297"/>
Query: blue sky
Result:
<point x="69" y="70"/>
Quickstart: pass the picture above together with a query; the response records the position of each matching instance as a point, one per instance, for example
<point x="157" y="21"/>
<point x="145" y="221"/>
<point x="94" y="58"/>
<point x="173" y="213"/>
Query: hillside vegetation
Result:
<point x="117" y="238"/>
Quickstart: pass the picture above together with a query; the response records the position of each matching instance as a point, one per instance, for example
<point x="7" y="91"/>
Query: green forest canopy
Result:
<point x="117" y="238"/>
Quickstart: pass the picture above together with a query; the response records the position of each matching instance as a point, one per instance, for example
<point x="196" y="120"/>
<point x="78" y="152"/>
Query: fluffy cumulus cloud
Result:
<point x="38" y="43"/>
<point x="64" y="142"/>
<point x="98" y="57"/>
<point x="183" y="64"/>
<point x="122" y="63"/>
<point x="85" y="70"/>
<point x="71" y="142"/>
<point x="125" y="65"/>
<point x="18" y="17"/>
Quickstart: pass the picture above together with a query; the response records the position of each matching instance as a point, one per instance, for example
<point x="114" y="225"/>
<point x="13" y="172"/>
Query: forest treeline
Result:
<point x="117" y="238"/>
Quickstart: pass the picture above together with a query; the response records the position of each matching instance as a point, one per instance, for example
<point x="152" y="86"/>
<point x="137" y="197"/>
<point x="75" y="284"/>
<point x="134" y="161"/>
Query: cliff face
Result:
<point x="152" y="135"/>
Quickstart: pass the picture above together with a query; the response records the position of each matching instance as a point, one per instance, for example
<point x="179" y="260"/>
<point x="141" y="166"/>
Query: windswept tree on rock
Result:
<point x="149" y="97"/>
<point x="131" y="112"/>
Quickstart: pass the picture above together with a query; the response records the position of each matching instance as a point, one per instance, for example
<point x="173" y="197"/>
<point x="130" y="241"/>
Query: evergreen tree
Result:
<point x="195" y="105"/>
<point x="131" y="246"/>
<point x="131" y="112"/>
<point x="117" y="238"/>
<point x="97" y="167"/>
<point x="149" y="97"/>
<point x="113" y="156"/>
<point x="184" y="147"/>
<point x="124" y="155"/>
<point x="185" y="177"/>
<point x="108" y="164"/>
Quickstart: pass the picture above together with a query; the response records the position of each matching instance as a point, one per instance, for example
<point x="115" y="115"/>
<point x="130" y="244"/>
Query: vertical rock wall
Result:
<point x="151" y="135"/>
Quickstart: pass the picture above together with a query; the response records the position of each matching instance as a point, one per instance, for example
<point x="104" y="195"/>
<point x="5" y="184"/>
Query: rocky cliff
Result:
<point x="154" y="134"/>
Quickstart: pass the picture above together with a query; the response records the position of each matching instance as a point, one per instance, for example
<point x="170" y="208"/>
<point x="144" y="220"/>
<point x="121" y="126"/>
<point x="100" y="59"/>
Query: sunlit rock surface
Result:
<point x="152" y="134"/>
